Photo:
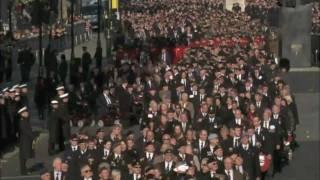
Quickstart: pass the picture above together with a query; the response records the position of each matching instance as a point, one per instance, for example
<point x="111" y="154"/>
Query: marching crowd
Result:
<point x="179" y="22"/>
<point x="222" y="112"/>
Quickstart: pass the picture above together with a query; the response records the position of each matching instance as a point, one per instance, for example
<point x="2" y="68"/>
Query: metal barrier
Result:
<point x="64" y="42"/>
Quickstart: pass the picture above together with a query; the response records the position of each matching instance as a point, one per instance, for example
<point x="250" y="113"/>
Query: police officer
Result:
<point x="26" y="139"/>
<point x="64" y="120"/>
<point x="53" y="126"/>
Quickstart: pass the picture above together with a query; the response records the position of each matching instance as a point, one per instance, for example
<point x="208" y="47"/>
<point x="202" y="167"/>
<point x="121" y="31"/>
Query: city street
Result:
<point x="305" y="163"/>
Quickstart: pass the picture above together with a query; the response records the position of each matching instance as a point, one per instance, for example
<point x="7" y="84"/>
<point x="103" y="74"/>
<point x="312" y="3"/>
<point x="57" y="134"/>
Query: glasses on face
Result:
<point x="88" y="170"/>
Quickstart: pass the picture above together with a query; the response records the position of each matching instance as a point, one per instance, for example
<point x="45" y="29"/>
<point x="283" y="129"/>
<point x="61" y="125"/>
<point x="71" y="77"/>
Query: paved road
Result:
<point x="305" y="163"/>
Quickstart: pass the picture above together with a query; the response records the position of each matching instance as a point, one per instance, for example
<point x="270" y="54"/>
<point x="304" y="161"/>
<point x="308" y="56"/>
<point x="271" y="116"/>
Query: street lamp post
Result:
<point x="10" y="5"/>
<point x="72" y="29"/>
<point x="108" y="30"/>
<point x="99" y="23"/>
<point x="61" y="9"/>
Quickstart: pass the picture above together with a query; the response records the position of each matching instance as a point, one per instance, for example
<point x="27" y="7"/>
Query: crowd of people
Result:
<point x="222" y="112"/>
<point x="179" y="22"/>
<point x="265" y="10"/>
<point x="316" y="17"/>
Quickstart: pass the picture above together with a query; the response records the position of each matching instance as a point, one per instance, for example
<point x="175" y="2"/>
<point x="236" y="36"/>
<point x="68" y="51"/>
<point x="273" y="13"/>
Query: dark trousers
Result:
<point x="23" y="166"/>
<point x="41" y="110"/>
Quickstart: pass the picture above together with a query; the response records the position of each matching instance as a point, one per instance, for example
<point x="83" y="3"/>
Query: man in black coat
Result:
<point x="4" y="123"/>
<point x="70" y="155"/>
<point x="136" y="173"/>
<point x="64" y="120"/>
<point x="86" y="62"/>
<point x="63" y="69"/>
<point x="98" y="57"/>
<point x="124" y="106"/>
<point x="26" y="60"/>
<point x="57" y="172"/>
<point x="26" y="139"/>
<point x="53" y="126"/>
<point x="105" y="103"/>
<point x="165" y="57"/>
<point x="250" y="157"/>
<point x="167" y="166"/>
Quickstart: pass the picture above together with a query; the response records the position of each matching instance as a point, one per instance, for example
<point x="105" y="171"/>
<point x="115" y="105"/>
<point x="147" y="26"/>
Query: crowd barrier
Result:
<point x="59" y="44"/>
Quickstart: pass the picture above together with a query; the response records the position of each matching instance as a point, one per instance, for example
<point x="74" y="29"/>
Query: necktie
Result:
<point x="265" y="124"/>
<point x="236" y="142"/>
<point x="212" y="174"/>
<point x="167" y="167"/>
<point x="201" y="145"/>
<point x="108" y="100"/>
<point x="57" y="176"/>
<point x="228" y="174"/>
<point x="258" y="131"/>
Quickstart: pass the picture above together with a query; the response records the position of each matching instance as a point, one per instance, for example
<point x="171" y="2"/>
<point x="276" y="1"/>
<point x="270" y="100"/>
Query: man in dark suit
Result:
<point x="165" y="57"/>
<point x="124" y="106"/>
<point x="82" y="153"/>
<point x="239" y="120"/>
<point x="100" y="138"/>
<point x="87" y="173"/>
<point x="148" y="156"/>
<point x="230" y="172"/>
<point x="64" y="120"/>
<point x="57" y="173"/>
<point x="213" y="123"/>
<point x="118" y="160"/>
<point x="137" y="172"/>
<point x="185" y="123"/>
<point x="250" y="157"/>
<point x="167" y="166"/>
<point x="105" y="152"/>
<point x="208" y="151"/>
<point x="54" y="126"/>
<point x="229" y="145"/>
<point x="201" y="117"/>
<point x="201" y="144"/>
<point x="70" y="155"/>
<point x="213" y="174"/>
<point x="86" y="62"/>
<point x="105" y="102"/>
<point x="26" y="139"/>
<point x="259" y="103"/>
